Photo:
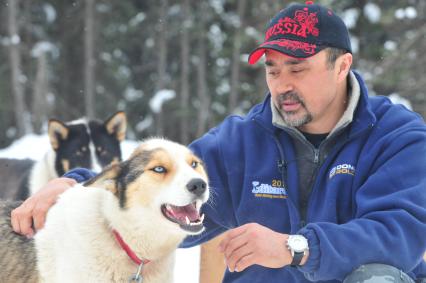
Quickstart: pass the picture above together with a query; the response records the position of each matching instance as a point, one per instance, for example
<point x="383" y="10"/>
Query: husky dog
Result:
<point x="90" y="144"/>
<point x="123" y="224"/>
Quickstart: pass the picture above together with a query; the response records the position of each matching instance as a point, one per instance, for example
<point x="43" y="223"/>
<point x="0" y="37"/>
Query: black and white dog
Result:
<point x="89" y="144"/>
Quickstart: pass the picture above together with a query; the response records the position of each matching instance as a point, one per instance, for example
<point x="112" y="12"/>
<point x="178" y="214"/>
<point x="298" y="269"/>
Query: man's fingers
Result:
<point x="245" y="262"/>
<point x="25" y="225"/>
<point x="23" y="221"/>
<point x="231" y="235"/>
<point x="15" y="223"/>
<point x="39" y="215"/>
<point x="237" y="255"/>
<point x="234" y="244"/>
<point x="36" y="207"/>
<point x="21" y="218"/>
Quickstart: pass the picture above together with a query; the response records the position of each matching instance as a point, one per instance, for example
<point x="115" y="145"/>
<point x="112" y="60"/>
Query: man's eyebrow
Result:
<point x="290" y="62"/>
<point x="269" y="63"/>
<point x="294" y="62"/>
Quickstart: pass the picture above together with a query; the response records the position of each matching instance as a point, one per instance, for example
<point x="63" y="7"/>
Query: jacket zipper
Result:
<point x="335" y="150"/>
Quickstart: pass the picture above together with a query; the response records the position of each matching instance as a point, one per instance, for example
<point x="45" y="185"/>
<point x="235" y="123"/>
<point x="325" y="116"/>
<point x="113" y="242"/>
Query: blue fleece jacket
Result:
<point x="368" y="203"/>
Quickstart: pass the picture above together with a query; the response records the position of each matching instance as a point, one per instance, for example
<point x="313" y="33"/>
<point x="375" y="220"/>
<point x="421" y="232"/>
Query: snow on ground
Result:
<point x="34" y="147"/>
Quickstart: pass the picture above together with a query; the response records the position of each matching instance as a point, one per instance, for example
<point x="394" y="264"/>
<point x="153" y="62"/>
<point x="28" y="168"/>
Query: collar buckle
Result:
<point x="137" y="277"/>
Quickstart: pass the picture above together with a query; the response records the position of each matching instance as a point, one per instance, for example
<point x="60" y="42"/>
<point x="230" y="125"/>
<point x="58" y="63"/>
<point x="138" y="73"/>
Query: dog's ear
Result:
<point x="106" y="179"/>
<point x="57" y="131"/>
<point x="116" y="125"/>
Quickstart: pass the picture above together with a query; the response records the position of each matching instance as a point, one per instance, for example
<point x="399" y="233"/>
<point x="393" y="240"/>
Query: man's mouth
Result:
<point x="188" y="216"/>
<point x="290" y="105"/>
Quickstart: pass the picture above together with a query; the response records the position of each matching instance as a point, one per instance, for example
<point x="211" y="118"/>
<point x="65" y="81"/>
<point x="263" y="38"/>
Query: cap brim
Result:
<point x="292" y="48"/>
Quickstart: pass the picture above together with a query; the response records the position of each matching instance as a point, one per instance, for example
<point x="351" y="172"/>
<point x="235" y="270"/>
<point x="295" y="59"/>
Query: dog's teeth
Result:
<point x="187" y="220"/>
<point x="202" y="218"/>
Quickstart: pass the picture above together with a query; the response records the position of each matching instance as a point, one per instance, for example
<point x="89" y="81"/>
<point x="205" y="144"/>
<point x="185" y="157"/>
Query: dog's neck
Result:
<point x="128" y="249"/>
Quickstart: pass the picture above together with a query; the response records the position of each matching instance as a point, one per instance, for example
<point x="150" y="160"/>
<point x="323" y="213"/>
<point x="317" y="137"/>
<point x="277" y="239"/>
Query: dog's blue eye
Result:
<point x="159" y="169"/>
<point x="194" y="164"/>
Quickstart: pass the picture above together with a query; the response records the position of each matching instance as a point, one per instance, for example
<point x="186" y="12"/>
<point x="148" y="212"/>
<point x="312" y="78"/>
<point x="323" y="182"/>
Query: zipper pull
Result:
<point x="281" y="165"/>
<point x="316" y="155"/>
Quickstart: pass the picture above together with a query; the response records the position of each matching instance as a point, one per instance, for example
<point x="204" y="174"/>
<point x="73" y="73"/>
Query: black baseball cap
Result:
<point x="303" y="30"/>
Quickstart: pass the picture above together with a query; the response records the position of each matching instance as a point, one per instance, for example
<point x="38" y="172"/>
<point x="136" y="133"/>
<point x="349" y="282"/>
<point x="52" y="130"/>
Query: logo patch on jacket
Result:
<point x="346" y="169"/>
<point x="274" y="190"/>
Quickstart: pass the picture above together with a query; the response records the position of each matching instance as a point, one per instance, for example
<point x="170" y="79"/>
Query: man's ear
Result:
<point x="343" y="66"/>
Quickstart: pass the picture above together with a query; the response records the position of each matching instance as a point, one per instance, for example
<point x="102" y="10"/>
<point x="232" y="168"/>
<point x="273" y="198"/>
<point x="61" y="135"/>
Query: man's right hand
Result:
<point x="31" y="214"/>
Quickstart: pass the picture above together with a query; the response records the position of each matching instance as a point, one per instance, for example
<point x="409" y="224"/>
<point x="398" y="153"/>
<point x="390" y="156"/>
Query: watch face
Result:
<point x="297" y="243"/>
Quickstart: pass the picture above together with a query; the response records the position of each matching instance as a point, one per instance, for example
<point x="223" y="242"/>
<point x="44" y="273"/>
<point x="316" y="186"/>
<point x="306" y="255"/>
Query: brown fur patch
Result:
<point x="57" y="130"/>
<point x="106" y="179"/>
<point x="142" y="189"/>
<point x="200" y="166"/>
<point x="117" y="125"/>
<point x="65" y="165"/>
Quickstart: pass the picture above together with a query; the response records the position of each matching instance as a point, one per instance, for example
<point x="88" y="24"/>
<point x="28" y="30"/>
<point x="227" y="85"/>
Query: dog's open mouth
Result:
<point x="188" y="216"/>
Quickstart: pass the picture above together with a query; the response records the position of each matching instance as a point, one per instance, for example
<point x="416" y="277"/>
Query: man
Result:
<point x="319" y="182"/>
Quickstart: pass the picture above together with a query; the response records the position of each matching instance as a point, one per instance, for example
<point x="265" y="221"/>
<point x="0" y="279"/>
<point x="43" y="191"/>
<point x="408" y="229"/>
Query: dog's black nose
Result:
<point x="197" y="186"/>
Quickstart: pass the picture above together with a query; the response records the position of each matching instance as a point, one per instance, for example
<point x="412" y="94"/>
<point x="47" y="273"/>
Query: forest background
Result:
<point x="177" y="68"/>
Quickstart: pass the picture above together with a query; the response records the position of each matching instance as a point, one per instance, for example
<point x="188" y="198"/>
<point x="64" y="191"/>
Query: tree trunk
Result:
<point x="40" y="109"/>
<point x="235" y="68"/>
<point x="162" y="59"/>
<point x="184" y="75"/>
<point x="16" y="72"/>
<point x="202" y="91"/>
<point x="89" y="58"/>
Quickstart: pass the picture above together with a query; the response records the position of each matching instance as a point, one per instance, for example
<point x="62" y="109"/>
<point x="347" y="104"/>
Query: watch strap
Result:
<point x="297" y="258"/>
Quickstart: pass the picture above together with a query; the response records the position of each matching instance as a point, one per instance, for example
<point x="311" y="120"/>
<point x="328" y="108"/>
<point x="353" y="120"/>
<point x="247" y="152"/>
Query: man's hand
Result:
<point x="255" y="244"/>
<point x="31" y="214"/>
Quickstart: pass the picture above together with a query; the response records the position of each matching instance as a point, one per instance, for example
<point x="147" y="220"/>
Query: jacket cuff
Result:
<point x="80" y="174"/>
<point x="313" y="262"/>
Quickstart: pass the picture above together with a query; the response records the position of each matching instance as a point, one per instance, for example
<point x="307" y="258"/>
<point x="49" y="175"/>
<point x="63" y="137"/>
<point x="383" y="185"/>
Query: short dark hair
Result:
<point x="332" y="55"/>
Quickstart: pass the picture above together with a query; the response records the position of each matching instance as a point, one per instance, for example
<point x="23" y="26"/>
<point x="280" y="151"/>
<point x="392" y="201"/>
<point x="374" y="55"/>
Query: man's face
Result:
<point x="303" y="90"/>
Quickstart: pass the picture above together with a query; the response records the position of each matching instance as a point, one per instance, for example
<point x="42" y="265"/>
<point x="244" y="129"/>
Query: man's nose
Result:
<point x="284" y="86"/>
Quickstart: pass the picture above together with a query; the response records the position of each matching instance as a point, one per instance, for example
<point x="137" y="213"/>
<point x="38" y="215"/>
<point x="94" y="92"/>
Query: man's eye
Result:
<point x="297" y="70"/>
<point x="159" y="169"/>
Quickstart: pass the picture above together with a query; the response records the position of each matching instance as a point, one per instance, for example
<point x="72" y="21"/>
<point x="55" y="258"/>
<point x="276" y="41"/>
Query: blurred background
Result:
<point x="175" y="67"/>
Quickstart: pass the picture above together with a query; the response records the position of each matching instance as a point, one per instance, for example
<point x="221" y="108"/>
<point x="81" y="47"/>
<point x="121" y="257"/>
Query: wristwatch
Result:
<point x="298" y="246"/>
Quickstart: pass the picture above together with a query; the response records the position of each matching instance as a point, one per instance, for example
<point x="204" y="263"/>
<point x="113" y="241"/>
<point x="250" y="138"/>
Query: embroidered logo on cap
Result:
<point x="303" y="24"/>
<point x="293" y="45"/>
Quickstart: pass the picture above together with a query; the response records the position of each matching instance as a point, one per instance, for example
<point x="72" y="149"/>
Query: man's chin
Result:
<point x="292" y="119"/>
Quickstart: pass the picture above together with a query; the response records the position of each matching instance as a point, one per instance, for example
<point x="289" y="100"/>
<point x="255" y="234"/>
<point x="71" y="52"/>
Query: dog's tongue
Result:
<point x="180" y="212"/>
